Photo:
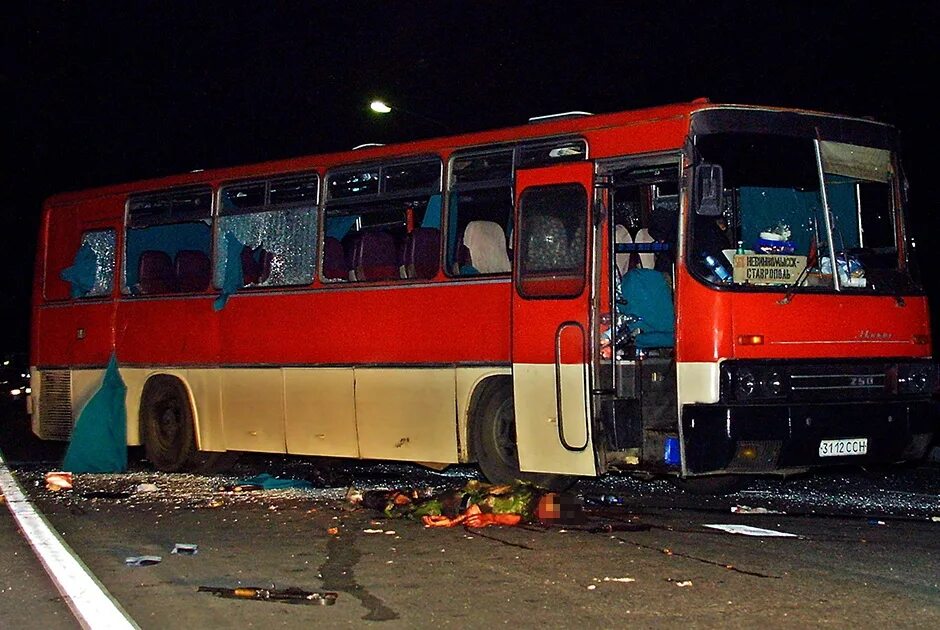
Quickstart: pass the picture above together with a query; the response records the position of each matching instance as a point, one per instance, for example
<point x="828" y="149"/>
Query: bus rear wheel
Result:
<point x="169" y="432"/>
<point x="493" y="440"/>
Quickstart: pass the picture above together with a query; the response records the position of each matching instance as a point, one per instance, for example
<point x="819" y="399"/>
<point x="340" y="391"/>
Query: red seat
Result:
<point x="375" y="257"/>
<point x="193" y="270"/>
<point x="422" y="252"/>
<point x="334" y="260"/>
<point x="155" y="273"/>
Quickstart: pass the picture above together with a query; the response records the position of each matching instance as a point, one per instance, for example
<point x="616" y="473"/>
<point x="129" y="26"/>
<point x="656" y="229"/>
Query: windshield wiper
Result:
<point x="788" y="296"/>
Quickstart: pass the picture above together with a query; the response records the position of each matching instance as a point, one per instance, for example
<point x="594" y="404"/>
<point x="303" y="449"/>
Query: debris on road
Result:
<point x="58" y="480"/>
<point x="146" y="487"/>
<point x="875" y="521"/>
<point x="747" y="530"/>
<point x="680" y="583"/>
<point x="106" y="494"/>
<point x="265" y="481"/>
<point x="619" y="579"/>
<point x="286" y="595"/>
<point x="476" y="504"/>
<point x="609" y="528"/>
<point x="332" y="531"/>
<point x="185" y="549"/>
<point x="603" y="499"/>
<point x="142" y="561"/>
<point x="746" y="509"/>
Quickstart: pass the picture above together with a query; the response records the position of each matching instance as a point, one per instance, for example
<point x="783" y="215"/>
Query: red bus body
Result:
<point x="395" y="369"/>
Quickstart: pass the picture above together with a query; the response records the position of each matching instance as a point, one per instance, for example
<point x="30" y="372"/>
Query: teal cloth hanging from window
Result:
<point x="82" y="275"/>
<point x="99" y="438"/>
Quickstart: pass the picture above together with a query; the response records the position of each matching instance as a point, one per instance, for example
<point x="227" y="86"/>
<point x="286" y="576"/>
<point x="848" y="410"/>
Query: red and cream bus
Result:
<point x="692" y="290"/>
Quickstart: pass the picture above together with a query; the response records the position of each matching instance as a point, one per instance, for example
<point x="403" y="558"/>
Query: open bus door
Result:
<point x="551" y="333"/>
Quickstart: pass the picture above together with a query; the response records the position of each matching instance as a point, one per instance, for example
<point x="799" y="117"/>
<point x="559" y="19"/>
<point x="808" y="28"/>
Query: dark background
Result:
<point x="105" y="92"/>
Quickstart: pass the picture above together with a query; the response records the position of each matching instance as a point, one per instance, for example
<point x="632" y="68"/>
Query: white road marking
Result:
<point x="90" y="602"/>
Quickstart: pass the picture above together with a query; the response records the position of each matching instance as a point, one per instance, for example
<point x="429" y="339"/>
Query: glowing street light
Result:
<point x="381" y="107"/>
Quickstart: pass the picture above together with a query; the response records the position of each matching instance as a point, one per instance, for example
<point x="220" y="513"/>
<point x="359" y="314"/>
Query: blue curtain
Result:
<point x="82" y="275"/>
<point x="99" y="439"/>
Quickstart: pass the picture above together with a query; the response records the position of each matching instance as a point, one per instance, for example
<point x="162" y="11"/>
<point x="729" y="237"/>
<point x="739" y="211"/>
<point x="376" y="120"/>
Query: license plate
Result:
<point x="843" y="448"/>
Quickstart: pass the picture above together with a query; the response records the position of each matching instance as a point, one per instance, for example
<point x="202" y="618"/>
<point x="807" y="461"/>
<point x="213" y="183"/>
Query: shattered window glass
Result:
<point x="102" y="243"/>
<point x="275" y="220"/>
<point x="282" y="242"/>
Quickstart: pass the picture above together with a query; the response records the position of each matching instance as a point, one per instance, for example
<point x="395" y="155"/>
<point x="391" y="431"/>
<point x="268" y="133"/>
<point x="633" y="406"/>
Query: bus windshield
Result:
<point x="772" y="233"/>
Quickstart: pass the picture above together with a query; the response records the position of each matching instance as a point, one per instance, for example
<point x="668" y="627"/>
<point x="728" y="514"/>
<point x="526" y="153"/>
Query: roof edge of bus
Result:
<point x="706" y="105"/>
<point x="322" y="161"/>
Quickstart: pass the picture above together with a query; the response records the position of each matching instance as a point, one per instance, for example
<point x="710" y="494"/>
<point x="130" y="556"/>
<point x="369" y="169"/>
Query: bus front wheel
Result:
<point x="169" y="432"/>
<point x="493" y="440"/>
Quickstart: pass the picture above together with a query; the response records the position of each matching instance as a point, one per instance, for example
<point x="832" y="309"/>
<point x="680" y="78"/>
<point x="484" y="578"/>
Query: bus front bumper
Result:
<point x="772" y="438"/>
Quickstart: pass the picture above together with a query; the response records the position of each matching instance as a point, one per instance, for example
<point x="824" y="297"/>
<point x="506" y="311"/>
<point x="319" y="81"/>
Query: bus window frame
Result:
<point x="267" y="207"/>
<point x="516" y="148"/>
<point x="372" y="198"/>
<point x="123" y="288"/>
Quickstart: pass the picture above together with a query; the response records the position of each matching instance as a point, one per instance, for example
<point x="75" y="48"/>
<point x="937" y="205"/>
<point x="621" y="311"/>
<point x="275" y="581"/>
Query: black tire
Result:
<point x="711" y="485"/>
<point x="169" y="430"/>
<point x="493" y="440"/>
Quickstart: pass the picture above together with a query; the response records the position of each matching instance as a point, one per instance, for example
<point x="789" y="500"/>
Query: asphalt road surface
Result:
<point x="866" y="552"/>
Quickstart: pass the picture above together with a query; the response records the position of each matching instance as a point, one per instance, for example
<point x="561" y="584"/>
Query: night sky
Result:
<point x="104" y="92"/>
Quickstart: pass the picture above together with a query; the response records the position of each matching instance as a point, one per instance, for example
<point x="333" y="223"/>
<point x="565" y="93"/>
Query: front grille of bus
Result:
<point x="801" y="381"/>
<point x="55" y="405"/>
<point x="857" y="381"/>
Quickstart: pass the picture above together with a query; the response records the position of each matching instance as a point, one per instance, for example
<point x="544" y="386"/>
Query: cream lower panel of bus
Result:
<point x="537" y="432"/>
<point x="407" y="414"/>
<point x="253" y="410"/>
<point x="697" y="382"/>
<point x="320" y="412"/>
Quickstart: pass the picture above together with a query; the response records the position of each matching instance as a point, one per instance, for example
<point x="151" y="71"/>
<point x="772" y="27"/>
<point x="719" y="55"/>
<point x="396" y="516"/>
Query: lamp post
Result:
<point x="381" y="107"/>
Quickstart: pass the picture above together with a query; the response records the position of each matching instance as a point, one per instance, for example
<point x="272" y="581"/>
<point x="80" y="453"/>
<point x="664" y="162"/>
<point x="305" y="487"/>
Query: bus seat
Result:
<point x="155" y="272"/>
<point x="647" y="259"/>
<point x="256" y="264"/>
<point x="334" y="260"/>
<point x="193" y="270"/>
<point x="375" y="257"/>
<point x="647" y="301"/>
<point x="486" y="243"/>
<point x="422" y="253"/>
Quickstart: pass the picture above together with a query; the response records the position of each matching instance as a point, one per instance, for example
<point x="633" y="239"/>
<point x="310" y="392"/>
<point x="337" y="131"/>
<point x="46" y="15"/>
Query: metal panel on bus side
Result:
<point x="407" y="414"/>
<point x="551" y="342"/>
<point x="320" y="411"/>
<point x="253" y="410"/>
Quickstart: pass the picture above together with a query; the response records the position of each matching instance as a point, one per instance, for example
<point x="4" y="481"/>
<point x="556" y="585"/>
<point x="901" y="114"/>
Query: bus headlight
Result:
<point x="755" y="382"/>
<point x="745" y="384"/>
<point x="774" y="384"/>
<point x="916" y="379"/>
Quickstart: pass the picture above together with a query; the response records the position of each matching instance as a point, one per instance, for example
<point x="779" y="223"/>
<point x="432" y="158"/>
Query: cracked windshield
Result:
<point x="772" y="232"/>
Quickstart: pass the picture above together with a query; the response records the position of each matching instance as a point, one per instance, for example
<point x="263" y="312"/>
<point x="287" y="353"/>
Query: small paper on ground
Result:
<point x="142" y="561"/>
<point x="747" y="530"/>
<point x="185" y="549"/>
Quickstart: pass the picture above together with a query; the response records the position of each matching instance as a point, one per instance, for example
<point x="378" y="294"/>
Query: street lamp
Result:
<point x="381" y="107"/>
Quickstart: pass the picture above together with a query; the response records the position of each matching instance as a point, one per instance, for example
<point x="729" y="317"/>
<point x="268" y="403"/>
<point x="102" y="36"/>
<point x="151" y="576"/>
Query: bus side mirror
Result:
<point x="707" y="187"/>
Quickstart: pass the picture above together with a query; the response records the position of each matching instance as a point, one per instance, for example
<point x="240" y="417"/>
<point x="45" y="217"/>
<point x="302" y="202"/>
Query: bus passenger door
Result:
<point x="551" y="319"/>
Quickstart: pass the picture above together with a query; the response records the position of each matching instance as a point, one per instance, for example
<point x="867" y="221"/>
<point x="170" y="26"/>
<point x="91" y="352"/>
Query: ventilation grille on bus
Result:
<point x="55" y="405"/>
